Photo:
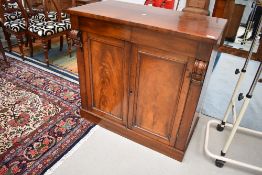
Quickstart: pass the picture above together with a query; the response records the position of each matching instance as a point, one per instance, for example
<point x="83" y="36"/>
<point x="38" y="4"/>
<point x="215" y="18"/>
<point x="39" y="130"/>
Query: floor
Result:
<point x="106" y="153"/>
<point x="221" y="87"/>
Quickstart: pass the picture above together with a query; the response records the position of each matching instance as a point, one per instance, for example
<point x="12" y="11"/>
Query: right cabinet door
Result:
<point x="158" y="90"/>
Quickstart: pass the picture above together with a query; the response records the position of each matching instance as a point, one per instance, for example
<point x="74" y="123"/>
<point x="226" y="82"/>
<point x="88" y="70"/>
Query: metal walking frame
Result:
<point x="221" y="160"/>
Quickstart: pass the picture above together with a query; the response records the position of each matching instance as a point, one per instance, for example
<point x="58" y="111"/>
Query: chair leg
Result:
<point x="3" y="52"/>
<point x="69" y="45"/>
<point x="26" y="41"/>
<point x="20" y="44"/>
<point x="49" y="44"/>
<point x="31" y="46"/>
<point x="8" y="40"/>
<point x="61" y="42"/>
<point x="45" y="45"/>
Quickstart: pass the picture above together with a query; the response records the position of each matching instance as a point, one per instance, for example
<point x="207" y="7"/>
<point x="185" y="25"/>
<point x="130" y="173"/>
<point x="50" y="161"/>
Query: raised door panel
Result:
<point x="108" y="77"/>
<point x="158" y="84"/>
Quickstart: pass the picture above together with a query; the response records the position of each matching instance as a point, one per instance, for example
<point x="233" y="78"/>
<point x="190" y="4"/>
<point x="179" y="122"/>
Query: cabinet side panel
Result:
<point x="158" y="88"/>
<point x="107" y="78"/>
<point x="188" y="117"/>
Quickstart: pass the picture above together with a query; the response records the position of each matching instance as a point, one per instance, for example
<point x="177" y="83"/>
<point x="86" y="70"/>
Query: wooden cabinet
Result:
<point x="142" y="69"/>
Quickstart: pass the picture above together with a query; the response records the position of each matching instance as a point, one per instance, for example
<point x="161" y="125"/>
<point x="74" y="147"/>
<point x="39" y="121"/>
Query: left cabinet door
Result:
<point x="106" y="65"/>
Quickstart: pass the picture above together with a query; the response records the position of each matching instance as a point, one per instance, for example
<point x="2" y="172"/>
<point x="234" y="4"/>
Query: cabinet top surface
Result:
<point x="191" y="25"/>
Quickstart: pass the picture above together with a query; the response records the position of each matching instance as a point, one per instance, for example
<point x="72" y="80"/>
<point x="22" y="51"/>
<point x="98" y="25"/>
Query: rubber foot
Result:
<point x="220" y="163"/>
<point x="240" y="96"/>
<point x="220" y="127"/>
<point x="222" y="154"/>
<point x="237" y="71"/>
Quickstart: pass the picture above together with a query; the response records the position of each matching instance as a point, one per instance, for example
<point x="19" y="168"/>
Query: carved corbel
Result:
<point x="199" y="71"/>
<point x="76" y="37"/>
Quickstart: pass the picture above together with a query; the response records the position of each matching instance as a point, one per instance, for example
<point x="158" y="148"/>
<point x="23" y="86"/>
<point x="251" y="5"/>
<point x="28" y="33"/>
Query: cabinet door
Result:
<point x="107" y="74"/>
<point x="159" y="85"/>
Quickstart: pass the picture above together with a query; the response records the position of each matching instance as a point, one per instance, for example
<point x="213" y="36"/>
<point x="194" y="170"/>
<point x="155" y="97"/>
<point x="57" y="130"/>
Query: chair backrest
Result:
<point x="168" y="4"/>
<point x="48" y="4"/>
<point x="11" y="6"/>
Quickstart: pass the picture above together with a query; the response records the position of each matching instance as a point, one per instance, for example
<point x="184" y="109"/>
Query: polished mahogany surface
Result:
<point x="194" y="26"/>
<point x="141" y="70"/>
<point x="108" y="73"/>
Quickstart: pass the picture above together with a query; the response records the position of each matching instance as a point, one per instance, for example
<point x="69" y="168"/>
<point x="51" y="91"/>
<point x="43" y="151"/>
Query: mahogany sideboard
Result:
<point x="142" y="69"/>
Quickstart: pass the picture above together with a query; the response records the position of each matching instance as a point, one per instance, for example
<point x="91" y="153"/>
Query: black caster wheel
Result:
<point x="219" y="163"/>
<point x="220" y="128"/>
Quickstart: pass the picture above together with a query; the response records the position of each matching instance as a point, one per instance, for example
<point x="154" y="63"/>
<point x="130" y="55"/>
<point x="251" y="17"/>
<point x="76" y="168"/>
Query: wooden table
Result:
<point x="142" y="70"/>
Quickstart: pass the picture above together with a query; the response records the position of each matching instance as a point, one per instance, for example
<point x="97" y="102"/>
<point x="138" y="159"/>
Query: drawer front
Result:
<point x="165" y="41"/>
<point x="105" y="28"/>
<point x="107" y="78"/>
<point x="160" y="82"/>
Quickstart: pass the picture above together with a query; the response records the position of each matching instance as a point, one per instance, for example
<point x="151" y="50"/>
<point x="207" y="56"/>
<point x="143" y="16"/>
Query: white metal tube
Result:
<point x="235" y="162"/>
<point x="234" y="113"/>
<point x="236" y="124"/>
<point x="234" y="96"/>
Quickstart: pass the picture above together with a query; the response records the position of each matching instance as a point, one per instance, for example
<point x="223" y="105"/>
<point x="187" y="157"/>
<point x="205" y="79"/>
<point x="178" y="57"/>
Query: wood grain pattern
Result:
<point x="187" y="25"/>
<point x="107" y="72"/>
<point x="107" y="67"/>
<point x="142" y="81"/>
<point x="167" y="42"/>
<point x="105" y="28"/>
<point x="197" y="78"/>
<point x="155" y="108"/>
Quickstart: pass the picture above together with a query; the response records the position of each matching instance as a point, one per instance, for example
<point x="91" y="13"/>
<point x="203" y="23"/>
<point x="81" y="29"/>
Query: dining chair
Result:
<point x="49" y="29"/>
<point x="13" y="21"/>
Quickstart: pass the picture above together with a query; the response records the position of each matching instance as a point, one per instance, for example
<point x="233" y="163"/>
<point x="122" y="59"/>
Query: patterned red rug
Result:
<point x="39" y="118"/>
